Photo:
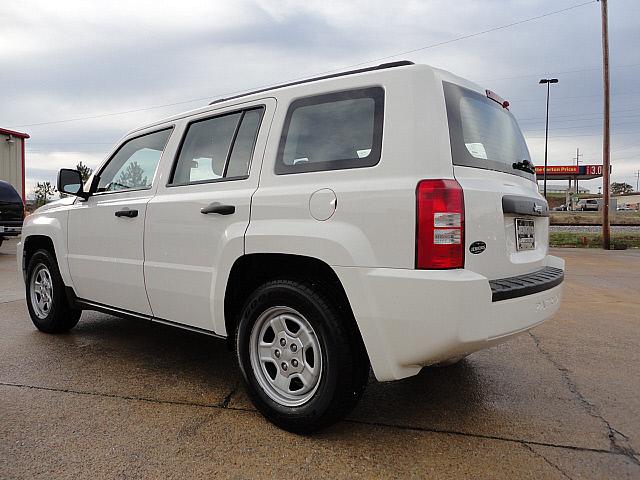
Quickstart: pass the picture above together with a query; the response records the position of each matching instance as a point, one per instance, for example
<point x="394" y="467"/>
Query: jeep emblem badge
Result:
<point x="477" y="247"/>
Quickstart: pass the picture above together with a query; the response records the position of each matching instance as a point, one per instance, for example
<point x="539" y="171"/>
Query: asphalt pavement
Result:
<point x="127" y="399"/>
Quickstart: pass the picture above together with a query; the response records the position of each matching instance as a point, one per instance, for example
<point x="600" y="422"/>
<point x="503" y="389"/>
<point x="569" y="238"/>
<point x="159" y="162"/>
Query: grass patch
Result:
<point x="619" y="241"/>
<point x="594" y="218"/>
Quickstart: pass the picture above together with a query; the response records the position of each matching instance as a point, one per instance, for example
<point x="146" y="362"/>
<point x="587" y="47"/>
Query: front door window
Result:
<point x="134" y="164"/>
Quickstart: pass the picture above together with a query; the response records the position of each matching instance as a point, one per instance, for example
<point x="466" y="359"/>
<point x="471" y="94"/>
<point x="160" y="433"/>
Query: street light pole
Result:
<point x="548" y="81"/>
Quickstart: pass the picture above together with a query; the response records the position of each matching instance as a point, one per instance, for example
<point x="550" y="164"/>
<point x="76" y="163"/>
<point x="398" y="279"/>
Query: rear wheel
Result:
<point x="46" y="299"/>
<point x="304" y="367"/>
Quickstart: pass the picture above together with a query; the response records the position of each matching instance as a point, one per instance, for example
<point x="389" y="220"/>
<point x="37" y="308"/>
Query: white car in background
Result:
<point x="387" y="217"/>
<point x="588" y="205"/>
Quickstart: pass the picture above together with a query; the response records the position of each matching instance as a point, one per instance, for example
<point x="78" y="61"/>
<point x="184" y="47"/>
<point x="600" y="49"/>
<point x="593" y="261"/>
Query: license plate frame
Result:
<point x="525" y="234"/>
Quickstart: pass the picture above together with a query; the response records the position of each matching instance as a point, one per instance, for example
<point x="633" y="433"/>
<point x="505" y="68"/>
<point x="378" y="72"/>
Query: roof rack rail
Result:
<point x="382" y="66"/>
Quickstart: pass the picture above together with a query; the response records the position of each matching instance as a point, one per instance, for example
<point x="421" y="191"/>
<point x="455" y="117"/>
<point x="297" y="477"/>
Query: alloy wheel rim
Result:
<point x="286" y="356"/>
<point x="41" y="291"/>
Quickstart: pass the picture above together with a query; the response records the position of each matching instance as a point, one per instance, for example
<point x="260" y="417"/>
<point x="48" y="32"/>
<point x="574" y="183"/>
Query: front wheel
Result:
<point x="46" y="299"/>
<point x="304" y="366"/>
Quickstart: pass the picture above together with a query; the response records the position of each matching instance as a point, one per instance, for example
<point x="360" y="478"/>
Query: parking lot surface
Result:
<point x="124" y="399"/>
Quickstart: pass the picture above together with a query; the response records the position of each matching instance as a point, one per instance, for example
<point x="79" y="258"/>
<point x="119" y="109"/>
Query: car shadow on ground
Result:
<point x="153" y="361"/>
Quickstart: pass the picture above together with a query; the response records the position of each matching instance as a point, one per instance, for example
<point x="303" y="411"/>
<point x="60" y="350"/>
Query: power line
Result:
<point x="574" y="127"/>
<point x="619" y="120"/>
<point x="101" y="115"/>
<point x="387" y="57"/>
<point x="628" y="147"/>
<point x="578" y="114"/>
<point x="557" y="120"/>
<point x="613" y="134"/>
<point x="577" y="70"/>
<point x="513" y="101"/>
<point x="464" y="37"/>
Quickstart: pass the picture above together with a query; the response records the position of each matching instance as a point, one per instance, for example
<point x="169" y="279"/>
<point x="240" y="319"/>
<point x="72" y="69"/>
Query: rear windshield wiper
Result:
<point x="525" y="165"/>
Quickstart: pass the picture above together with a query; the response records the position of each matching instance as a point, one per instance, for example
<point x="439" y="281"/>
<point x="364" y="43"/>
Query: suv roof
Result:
<point x="382" y="66"/>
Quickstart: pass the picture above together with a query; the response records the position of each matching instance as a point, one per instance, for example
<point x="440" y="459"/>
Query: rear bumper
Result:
<point x="524" y="285"/>
<point x="10" y="228"/>
<point x="412" y="318"/>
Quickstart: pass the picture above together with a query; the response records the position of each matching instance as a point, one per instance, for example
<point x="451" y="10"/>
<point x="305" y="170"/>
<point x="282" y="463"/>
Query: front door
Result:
<point x="196" y="223"/>
<point x="106" y="232"/>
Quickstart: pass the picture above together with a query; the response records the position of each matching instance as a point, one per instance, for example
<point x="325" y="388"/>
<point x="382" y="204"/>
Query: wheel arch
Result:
<point x="31" y="245"/>
<point x="252" y="270"/>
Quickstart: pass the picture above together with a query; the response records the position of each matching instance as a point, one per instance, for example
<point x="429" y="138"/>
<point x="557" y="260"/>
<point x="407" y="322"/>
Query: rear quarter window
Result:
<point x="332" y="131"/>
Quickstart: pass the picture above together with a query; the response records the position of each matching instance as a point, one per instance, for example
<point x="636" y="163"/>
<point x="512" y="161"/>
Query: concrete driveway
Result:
<point x="123" y="399"/>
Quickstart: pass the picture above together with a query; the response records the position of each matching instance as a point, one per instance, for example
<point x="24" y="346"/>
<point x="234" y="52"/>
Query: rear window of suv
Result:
<point x="8" y="194"/>
<point x="482" y="133"/>
<point x="332" y="131"/>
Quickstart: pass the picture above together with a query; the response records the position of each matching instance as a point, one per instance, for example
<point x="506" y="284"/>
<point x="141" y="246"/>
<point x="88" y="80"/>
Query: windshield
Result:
<point x="483" y="134"/>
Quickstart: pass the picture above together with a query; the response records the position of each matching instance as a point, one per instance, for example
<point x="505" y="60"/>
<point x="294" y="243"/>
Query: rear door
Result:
<point x="196" y="223"/>
<point x="506" y="219"/>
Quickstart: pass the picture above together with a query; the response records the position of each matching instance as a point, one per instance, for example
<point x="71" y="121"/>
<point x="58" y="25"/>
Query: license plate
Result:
<point x="525" y="234"/>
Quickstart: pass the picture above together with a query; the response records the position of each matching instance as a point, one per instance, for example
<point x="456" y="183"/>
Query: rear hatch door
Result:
<point x="506" y="219"/>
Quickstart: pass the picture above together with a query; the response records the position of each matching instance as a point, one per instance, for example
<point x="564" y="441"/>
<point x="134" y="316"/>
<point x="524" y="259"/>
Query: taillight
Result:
<point x="439" y="224"/>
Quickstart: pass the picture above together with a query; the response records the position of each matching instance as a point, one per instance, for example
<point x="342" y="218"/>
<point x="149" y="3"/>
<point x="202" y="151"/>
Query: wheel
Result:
<point x="304" y="365"/>
<point x="46" y="299"/>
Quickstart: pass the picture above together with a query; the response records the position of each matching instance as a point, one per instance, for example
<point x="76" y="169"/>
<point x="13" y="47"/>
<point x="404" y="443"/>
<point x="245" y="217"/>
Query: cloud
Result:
<point x="69" y="59"/>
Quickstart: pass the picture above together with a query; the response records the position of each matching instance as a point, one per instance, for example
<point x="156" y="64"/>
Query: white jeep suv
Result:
<point x="386" y="217"/>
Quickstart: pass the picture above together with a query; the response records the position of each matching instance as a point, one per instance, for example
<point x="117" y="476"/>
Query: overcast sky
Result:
<point x="68" y="59"/>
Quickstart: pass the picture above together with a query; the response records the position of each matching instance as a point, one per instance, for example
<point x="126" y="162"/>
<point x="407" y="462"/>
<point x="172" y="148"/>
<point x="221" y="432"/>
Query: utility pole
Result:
<point x="637" y="181"/>
<point x="606" y="159"/>
<point x="577" y="159"/>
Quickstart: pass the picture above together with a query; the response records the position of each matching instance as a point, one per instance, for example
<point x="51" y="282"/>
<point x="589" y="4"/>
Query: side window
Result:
<point x="134" y="164"/>
<point x="333" y="131"/>
<point x="217" y="148"/>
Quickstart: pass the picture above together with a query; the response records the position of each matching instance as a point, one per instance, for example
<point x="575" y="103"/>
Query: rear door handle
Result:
<point x="127" y="213"/>
<point x="219" y="208"/>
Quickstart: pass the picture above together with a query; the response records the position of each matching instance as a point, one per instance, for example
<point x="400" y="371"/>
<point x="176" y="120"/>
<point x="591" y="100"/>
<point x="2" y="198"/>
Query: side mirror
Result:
<point x="70" y="182"/>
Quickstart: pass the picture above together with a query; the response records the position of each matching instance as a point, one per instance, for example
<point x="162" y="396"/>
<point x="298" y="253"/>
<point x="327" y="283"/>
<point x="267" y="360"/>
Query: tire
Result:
<point x="46" y="298"/>
<point x="332" y="366"/>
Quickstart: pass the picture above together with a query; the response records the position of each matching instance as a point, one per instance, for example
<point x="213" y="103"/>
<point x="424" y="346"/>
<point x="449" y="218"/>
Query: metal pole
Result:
<point x="606" y="159"/>
<point x="546" y="139"/>
<point x="577" y="168"/>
